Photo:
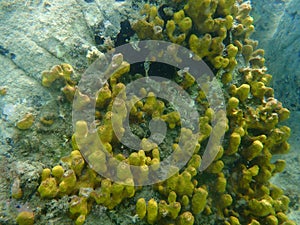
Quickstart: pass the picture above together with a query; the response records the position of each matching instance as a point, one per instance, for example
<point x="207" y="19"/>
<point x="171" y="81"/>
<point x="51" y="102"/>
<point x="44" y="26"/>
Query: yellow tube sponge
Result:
<point x="232" y="106"/>
<point x="260" y="208"/>
<point x="200" y="46"/>
<point x="78" y="205"/>
<point x="188" y="80"/>
<point x="184" y="184"/>
<point x="105" y="133"/>
<point x="254" y="222"/>
<point x="225" y="201"/>
<point x="220" y="62"/>
<point x="201" y="13"/>
<point x="185" y="201"/>
<point x="98" y="158"/>
<point x="221" y="183"/>
<point x="179" y="21"/>
<point x="281" y="204"/>
<point x="271" y="220"/>
<point x="163" y="209"/>
<point x="241" y="92"/>
<point x="81" y="129"/>
<point x="3" y="90"/>
<point x="75" y="161"/>
<point x="68" y="182"/>
<point x="143" y="174"/>
<point x="152" y="211"/>
<point x="129" y="188"/>
<point x="69" y="92"/>
<point x="226" y="7"/>
<point x="174" y="209"/>
<point x="253" y="150"/>
<point x="259" y="90"/>
<point x="279" y="166"/>
<point x="195" y="161"/>
<point x="102" y="194"/>
<point x="147" y="144"/>
<point x="80" y="220"/>
<point x="117" y="195"/>
<point x="45" y="174"/>
<point x="141" y="208"/>
<point x="59" y="71"/>
<point x="82" y="101"/>
<point x="57" y="172"/>
<point x="79" y="209"/>
<point x="281" y="217"/>
<point x="151" y="26"/>
<point x="185" y="24"/>
<point x="26" y="122"/>
<point x="178" y="16"/>
<point x="104" y="96"/>
<point x="150" y="103"/>
<point x="118" y="72"/>
<point x="215" y="167"/>
<point x="48" y="188"/>
<point x="48" y="77"/>
<point x="289" y="222"/>
<point x="143" y="29"/>
<point x="234" y="142"/>
<point x="234" y="220"/>
<point x="199" y="200"/>
<point x="25" y="218"/>
<point x="134" y="159"/>
<point x="204" y="128"/>
<point x="284" y="114"/>
<point x="186" y="218"/>
<point x="231" y="51"/>
<point x="247" y="51"/>
<point x="172" y="197"/>
<point x="123" y="171"/>
<point x="172" y="118"/>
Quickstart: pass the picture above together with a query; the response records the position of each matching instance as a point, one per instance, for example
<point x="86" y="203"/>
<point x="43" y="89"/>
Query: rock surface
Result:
<point x="37" y="34"/>
<point x="34" y="36"/>
<point x="278" y="31"/>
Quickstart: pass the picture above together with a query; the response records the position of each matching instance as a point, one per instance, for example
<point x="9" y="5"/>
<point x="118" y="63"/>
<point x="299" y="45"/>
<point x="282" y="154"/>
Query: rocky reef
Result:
<point x="235" y="187"/>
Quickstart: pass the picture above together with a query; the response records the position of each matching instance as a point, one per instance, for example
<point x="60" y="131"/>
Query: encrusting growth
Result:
<point x="235" y="188"/>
